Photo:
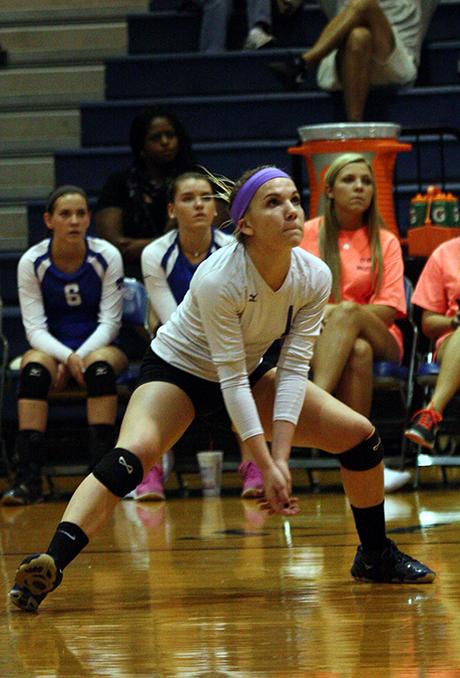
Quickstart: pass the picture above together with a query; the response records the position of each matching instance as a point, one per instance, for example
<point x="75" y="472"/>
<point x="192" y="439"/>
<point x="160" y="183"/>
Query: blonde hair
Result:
<point x="329" y="230"/>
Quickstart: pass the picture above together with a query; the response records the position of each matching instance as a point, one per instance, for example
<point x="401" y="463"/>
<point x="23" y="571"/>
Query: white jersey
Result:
<point x="167" y="272"/>
<point x="230" y="317"/>
<point x="67" y="312"/>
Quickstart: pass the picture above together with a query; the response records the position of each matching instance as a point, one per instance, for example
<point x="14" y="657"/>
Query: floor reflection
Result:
<point x="211" y="587"/>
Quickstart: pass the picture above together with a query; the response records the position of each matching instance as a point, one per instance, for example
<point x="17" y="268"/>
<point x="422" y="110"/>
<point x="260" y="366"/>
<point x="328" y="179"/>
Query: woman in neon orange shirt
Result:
<point x="438" y="294"/>
<point x="367" y="290"/>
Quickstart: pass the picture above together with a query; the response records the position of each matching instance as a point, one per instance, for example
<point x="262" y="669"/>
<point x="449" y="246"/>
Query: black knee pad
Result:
<point x="100" y="379"/>
<point x="364" y="456"/>
<point x="34" y="382"/>
<point x="120" y="471"/>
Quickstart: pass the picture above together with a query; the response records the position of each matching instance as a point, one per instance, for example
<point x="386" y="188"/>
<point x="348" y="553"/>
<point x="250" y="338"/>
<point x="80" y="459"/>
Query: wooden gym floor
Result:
<point x="197" y="587"/>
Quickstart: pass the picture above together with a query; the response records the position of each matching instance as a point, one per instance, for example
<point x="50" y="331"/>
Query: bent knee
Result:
<point x="346" y="313"/>
<point x="362" y="351"/>
<point x="359" y="41"/>
<point x="110" y="354"/>
<point x="34" y="356"/>
<point x="362" y="7"/>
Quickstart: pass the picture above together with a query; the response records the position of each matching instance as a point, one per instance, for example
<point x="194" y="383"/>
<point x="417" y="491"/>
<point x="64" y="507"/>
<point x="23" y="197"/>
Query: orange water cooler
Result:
<point x="377" y="142"/>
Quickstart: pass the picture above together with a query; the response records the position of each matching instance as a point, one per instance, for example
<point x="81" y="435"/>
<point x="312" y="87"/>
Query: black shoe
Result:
<point x="389" y="565"/>
<point x="36" y="576"/>
<point x="22" y="494"/>
<point x="291" y="73"/>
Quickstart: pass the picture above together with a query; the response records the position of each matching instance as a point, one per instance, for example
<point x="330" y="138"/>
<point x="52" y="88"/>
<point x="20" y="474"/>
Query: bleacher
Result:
<point x="238" y="114"/>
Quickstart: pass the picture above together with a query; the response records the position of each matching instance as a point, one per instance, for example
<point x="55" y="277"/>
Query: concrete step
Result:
<point x="91" y="167"/>
<point x="147" y="75"/>
<point x="36" y="130"/>
<point x="67" y="42"/>
<point x="128" y="77"/>
<point x="268" y="116"/>
<point x="51" y="85"/>
<point x="23" y="178"/>
<point x="13" y="232"/>
<point x="25" y="11"/>
<point x="178" y="31"/>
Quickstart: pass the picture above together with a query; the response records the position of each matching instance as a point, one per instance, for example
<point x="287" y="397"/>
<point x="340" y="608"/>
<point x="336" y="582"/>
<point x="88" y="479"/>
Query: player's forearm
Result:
<point x="436" y="325"/>
<point x="258" y="448"/>
<point x="282" y="436"/>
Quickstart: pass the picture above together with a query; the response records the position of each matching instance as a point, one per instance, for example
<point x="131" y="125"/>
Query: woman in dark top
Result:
<point x="131" y="211"/>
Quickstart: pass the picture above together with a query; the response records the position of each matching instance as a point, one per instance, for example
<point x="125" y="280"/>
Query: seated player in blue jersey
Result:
<point x="70" y="293"/>
<point x="168" y="266"/>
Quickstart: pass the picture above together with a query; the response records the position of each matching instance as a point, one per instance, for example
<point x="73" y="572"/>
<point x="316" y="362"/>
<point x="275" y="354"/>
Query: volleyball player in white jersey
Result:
<point x="207" y="358"/>
<point x="70" y="293"/>
<point x="168" y="266"/>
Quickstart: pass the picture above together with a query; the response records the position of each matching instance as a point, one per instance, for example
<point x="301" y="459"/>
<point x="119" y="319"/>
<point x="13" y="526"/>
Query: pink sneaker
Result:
<point x="151" y="488"/>
<point x="253" y="484"/>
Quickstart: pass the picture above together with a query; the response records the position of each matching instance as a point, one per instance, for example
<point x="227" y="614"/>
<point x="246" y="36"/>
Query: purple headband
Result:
<point x="249" y="188"/>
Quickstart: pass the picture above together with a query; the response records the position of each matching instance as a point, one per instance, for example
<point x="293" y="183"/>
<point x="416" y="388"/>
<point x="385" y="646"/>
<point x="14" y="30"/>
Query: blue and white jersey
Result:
<point x="168" y="273"/>
<point x="71" y="312"/>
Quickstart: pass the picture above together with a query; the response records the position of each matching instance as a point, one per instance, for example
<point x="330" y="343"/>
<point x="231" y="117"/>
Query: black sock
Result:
<point x="68" y="541"/>
<point x="370" y="525"/>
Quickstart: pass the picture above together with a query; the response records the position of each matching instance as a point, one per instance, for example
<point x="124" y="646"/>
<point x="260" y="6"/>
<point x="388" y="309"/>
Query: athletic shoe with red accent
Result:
<point x="253" y="483"/>
<point x="151" y="488"/>
<point x="36" y="576"/>
<point x="423" y="428"/>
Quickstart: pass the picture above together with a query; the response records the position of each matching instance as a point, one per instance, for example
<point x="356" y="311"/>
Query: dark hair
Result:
<point x="173" y="183"/>
<point x="63" y="190"/>
<point x="140" y="126"/>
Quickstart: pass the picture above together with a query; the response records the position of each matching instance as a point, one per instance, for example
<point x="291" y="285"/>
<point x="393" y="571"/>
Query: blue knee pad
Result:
<point x="100" y="379"/>
<point x="34" y="382"/>
<point x="120" y="471"/>
<point x="364" y="456"/>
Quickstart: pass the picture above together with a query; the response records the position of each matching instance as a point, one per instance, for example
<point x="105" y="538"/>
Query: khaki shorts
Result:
<point x="399" y="69"/>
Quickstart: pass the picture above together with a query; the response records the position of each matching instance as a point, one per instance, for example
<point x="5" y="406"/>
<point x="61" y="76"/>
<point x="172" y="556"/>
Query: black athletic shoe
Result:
<point x="291" y="73"/>
<point x="36" y="576"/>
<point x="389" y="565"/>
<point x="22" y="494"/>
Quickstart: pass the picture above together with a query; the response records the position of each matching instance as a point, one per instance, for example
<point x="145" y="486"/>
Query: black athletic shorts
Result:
<point x="205" y="395"/>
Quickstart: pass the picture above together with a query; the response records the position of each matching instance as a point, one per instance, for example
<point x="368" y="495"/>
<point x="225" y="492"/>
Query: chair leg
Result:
<point x="4" y="460"/>
<point x="403" y="456"/>
<point x="183" y="487"/>
<point x="417" y="470"/>
<point x="311" y="479"/>
<point x="52" y="489"/>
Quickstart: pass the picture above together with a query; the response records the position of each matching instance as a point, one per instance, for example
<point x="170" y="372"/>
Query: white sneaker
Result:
<point x="257" y="38"/>
<point x="393" y="480"/>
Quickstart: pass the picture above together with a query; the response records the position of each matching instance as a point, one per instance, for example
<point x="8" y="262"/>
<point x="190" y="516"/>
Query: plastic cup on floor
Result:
<point x="210" y="463"/>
